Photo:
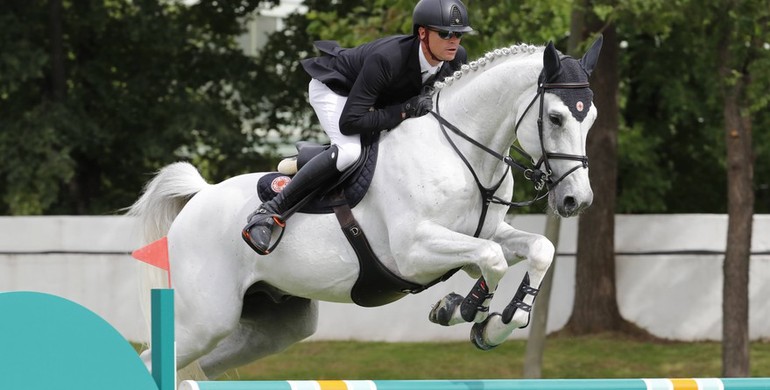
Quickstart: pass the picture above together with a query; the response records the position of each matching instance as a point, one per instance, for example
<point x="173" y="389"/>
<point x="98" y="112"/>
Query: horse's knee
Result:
<point x="493" y="264"/>
<point x="496" y="258"/>
<point x="541" y="254"/>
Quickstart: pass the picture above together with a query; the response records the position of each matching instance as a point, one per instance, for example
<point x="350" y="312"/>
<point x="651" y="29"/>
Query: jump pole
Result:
<point x="164" y="372"/>
<point x="163" y="352"/>
<point x="492" y="384"/>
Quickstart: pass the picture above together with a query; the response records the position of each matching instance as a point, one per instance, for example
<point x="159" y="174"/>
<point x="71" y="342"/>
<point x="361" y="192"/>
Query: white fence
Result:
<point x="669" y="277"/>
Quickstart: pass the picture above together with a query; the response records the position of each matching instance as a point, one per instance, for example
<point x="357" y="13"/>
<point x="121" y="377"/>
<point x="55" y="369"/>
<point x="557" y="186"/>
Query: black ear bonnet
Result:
<point x="578" y="100"/>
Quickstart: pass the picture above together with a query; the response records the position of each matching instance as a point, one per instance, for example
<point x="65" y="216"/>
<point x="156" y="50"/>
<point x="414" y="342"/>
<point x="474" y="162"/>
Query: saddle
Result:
<point x="354" y="182"/>
<point x="376" y="285"/>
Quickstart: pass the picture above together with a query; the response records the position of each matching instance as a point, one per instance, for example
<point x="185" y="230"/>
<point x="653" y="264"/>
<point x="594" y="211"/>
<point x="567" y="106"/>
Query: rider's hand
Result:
<point x="418" y="105"/>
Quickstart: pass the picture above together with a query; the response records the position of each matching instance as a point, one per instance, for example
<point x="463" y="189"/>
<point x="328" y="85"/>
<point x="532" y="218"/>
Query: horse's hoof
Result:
<point x="442" y="313"/>
<point x="477" y="334"/>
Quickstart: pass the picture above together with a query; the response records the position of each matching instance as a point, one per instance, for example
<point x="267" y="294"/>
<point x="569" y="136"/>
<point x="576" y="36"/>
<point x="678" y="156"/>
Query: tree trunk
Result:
<point x="595" y="307"/>
<point x="533" y="358"/>
<point x="740" y="208"/>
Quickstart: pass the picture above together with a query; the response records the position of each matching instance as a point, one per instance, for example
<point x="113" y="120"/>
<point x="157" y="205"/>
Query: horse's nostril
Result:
<point x="569" y="203"/>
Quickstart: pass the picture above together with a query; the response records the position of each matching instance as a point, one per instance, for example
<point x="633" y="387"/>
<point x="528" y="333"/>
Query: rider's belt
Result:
<point x="376" y="285"/>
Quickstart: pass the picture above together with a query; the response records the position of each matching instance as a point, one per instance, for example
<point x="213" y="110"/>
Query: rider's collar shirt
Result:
<point x="425" y="68"/>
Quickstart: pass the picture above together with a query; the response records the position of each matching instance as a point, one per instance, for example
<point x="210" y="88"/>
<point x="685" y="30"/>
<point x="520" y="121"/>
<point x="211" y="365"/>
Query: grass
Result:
<point x="601" y="356"/>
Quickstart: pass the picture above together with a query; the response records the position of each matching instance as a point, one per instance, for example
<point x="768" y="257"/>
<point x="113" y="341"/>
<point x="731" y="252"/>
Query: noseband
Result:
<point x="540" y="174"/>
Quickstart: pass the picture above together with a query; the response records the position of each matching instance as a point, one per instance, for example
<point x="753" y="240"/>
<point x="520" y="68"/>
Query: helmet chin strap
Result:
<point x="426" y="41"/>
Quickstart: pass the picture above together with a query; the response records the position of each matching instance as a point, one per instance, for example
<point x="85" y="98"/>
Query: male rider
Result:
<point x="366" y="89"/>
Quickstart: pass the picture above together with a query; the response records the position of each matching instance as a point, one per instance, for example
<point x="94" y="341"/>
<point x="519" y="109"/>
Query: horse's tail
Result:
<point x="163" y="199"/>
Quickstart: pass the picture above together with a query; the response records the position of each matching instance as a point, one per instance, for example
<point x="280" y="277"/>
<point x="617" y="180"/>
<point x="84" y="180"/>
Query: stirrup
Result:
<point x="276" y="220"/>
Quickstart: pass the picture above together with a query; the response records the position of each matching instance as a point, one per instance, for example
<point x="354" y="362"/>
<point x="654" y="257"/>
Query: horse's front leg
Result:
<point x="455" y="309"/>
<point x="434" y="247"/>
<point x="517" y="245"/>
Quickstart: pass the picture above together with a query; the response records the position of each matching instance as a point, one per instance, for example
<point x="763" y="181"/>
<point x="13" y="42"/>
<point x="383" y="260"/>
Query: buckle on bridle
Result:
<point x="538" y="177"/>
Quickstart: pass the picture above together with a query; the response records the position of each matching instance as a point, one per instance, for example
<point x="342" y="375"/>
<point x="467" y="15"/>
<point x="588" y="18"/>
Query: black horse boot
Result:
<point x="314" y="173"/>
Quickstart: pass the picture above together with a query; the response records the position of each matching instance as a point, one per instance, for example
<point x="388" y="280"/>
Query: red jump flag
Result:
<point x="155" y="254"/>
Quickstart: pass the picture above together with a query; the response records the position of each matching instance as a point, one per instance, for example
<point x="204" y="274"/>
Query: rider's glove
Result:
<point x="418" y="105"/>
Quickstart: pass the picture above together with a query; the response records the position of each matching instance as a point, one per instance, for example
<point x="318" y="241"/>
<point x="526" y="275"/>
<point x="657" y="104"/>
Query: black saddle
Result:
<point x="353" y="183"/>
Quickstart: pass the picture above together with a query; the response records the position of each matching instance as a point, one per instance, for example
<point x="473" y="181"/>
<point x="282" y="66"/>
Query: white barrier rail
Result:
<point x="668" y="277"/>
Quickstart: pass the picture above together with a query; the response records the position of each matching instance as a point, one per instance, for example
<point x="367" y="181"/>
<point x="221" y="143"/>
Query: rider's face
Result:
<point x="444" y="49"/>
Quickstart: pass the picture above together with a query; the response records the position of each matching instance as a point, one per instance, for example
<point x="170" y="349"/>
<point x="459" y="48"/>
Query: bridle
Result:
<point x="540" y="174"/>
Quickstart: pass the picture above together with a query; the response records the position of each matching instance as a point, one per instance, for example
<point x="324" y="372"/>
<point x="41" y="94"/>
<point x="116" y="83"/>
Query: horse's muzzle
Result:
<point x="571" y="205"/>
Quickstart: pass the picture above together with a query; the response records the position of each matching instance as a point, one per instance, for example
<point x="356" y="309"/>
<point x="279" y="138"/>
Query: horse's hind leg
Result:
<point x="265" y="328"/>
<point x="517" y="246"/>
<point x="202" y="320"/>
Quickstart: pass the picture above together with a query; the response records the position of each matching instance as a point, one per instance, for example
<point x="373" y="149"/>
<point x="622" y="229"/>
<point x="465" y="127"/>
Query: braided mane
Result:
<point x="487" y="61"/>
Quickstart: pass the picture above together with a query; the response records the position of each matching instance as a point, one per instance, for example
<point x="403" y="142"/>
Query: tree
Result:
<point x="739" y="41"/>
<point x="708" y="94"/>
<point x="595" y="308"/>
<point x="533" y="357"/>
<point x="95" y="94"/>
<point x="673" y="101"/>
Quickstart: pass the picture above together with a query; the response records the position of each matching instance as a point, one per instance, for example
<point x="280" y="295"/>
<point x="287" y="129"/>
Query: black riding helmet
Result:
<point x="447" y="15"/>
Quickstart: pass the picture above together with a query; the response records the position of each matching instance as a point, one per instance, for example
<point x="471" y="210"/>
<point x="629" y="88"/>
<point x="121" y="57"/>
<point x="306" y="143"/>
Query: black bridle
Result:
<point x="540" y="174"/>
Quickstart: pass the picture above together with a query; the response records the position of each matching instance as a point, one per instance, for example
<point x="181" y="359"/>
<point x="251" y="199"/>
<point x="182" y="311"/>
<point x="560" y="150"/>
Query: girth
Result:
<point x="376" y="284"/>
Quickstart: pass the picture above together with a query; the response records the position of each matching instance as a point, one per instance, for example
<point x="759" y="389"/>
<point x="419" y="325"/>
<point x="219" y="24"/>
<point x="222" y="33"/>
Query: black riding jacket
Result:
<point x="377" y="77"/>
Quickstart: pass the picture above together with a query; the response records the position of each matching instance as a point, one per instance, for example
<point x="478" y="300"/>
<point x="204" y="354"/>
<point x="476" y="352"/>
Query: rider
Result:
<point x="367" y="89"/>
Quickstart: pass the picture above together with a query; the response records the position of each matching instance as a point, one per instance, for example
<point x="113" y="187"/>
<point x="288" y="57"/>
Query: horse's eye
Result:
<point x="555" y="119"/>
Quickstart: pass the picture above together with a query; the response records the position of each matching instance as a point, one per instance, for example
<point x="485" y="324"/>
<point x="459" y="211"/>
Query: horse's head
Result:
<point x="565" y="113"/>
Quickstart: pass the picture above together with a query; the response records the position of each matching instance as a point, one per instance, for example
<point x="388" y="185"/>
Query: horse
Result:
<point x="436" y="204"/>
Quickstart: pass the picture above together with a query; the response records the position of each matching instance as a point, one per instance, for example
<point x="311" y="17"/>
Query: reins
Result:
<point x="539" y="177"/>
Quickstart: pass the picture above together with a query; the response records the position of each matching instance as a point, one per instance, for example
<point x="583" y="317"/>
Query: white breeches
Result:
<point x="328" y="107"/>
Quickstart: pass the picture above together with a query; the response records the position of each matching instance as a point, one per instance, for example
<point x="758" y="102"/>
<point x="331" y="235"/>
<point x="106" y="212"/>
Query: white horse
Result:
<point x="423" y="213"/>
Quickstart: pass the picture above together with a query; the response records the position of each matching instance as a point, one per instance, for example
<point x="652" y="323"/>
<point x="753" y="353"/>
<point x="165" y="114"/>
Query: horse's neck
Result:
<point x="485" y="103"/>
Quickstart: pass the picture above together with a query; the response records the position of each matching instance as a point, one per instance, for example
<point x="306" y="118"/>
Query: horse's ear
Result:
<point x="551" y="62"/>
<point x="589" y="60"/>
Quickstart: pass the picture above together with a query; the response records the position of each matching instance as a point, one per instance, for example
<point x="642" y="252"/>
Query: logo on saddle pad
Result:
<point x="279" y="183"/>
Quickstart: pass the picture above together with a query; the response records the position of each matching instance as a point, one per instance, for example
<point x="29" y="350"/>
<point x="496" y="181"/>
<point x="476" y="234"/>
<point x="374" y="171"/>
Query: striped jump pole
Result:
<point x="491" y="384"/>
<point x="164" y="372"/>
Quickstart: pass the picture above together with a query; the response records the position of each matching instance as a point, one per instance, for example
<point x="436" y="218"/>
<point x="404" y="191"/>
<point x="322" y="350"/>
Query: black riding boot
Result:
<point x="314" y="173"/>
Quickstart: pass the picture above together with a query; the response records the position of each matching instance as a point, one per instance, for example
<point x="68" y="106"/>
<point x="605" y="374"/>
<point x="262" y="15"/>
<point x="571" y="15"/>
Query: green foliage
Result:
<point x="148" y="82"/>
<point x="642" y="183"/>
<point x="144" y="81"/>
<point x="674" y="96"/>
<point x="36" y="136"/>
<point x="497" y="23"/>
<point x="503" y="23"/>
